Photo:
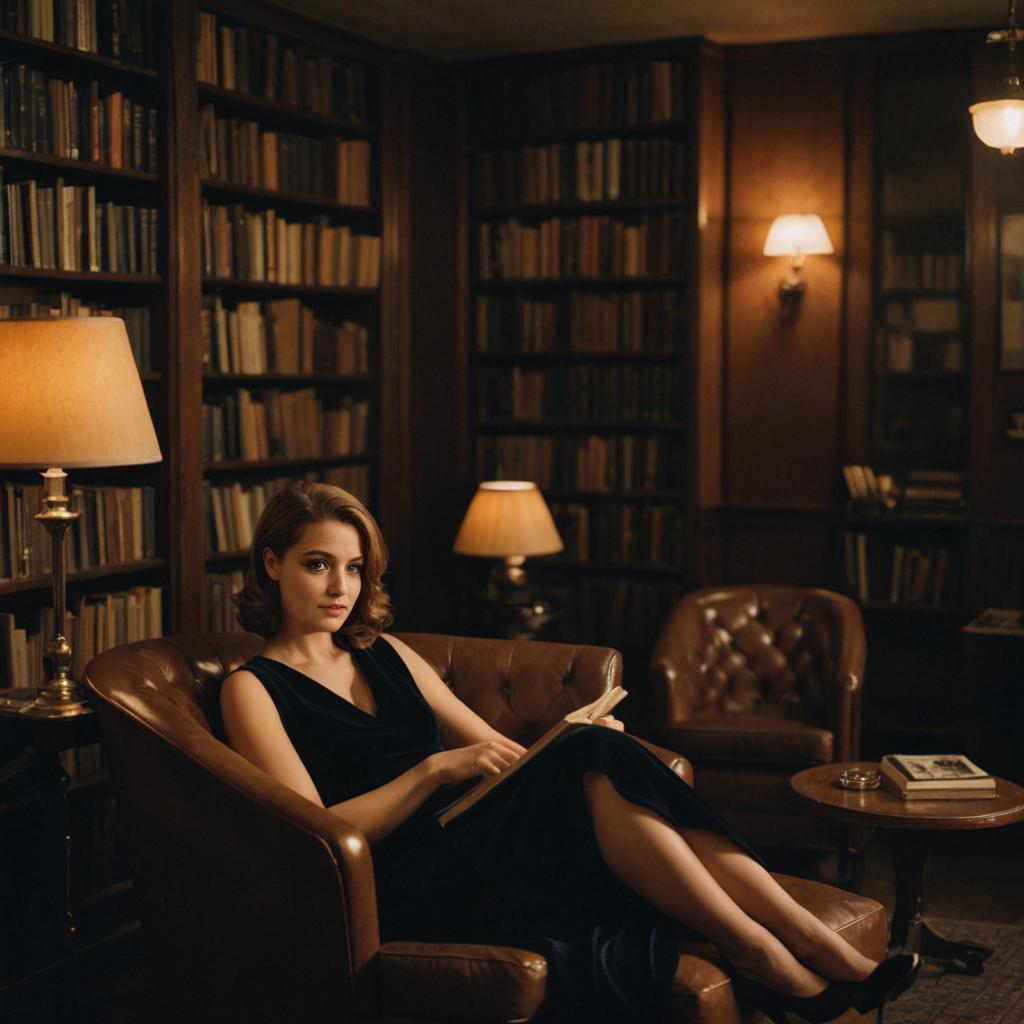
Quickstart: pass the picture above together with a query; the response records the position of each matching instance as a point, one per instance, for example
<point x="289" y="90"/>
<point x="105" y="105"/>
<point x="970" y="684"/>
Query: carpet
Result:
<point x="941" y="997"/>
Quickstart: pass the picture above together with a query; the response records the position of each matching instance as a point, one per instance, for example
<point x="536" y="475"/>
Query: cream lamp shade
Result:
<point x="1000" y="123"/>
<point x="507" y="518"/>
<point x="797" y="234"/>
<point x="71" y="395"/>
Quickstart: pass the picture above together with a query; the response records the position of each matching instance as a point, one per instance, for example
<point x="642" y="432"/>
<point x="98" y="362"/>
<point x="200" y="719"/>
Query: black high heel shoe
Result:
<point x="886" y="982"/>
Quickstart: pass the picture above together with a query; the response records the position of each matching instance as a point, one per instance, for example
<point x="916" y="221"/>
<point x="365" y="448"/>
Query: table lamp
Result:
<point x="70" y="396"/>
<point x="509" y="520"/>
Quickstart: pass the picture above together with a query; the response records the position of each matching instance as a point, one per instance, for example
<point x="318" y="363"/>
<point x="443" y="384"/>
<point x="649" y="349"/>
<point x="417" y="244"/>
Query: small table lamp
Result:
<point x="70" y="395"/>
<point x="509" y="519"/>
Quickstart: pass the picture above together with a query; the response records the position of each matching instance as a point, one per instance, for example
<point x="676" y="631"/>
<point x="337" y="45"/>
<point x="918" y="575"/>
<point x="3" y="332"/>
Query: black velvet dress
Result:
<point x="522" y="867"/>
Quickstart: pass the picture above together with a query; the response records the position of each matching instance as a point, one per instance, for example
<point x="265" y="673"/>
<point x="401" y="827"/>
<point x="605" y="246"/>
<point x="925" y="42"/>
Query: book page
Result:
<point x="584" y="715"/>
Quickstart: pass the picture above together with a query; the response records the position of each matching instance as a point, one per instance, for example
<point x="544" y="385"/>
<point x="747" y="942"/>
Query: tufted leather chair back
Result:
<point x="772" y="647"/>
<point x="520" y="688"/>
<point x="749" y="649"/>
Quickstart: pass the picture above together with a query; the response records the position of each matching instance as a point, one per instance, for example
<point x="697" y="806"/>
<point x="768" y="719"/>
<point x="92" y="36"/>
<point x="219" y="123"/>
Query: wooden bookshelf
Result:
<point x="266" y="120"/>
<point x="544" y="169"/>
<point x="920" y="385"/>
<point x="37" y="153"/>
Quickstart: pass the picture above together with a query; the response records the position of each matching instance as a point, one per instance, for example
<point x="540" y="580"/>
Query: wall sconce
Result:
<point x="796" y="235"/>
<point x="999" y="122"/>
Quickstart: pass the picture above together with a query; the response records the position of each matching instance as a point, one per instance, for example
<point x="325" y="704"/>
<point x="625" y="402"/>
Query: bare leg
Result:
<point x="753" y="888"/>
<point x="652" y="858"/>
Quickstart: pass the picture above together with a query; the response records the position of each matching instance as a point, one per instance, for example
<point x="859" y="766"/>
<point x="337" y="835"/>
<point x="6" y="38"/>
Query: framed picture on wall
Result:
<point x="1011" y="291"/>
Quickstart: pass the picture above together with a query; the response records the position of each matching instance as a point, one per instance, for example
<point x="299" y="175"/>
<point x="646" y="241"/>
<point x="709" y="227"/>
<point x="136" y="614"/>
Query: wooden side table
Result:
<point x="47" y="736"/>
<point x="912" y="827"/>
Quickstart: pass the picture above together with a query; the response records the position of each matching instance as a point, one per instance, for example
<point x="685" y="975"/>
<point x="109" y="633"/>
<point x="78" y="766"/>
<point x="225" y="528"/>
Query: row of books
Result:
<point x="905" y="352"/>
<point x="281" y="336"/>
<point x="263" y="245"/>
<point x="120" y="30"/>
<point x="587" y="322"/>
<point x="221" y="614"/>
<point x="94" y="623"/>
<point x="595" y="97"/>
<point x="940" y="421"/>
<point x="71" y="120"/>
<point x="922" y="271"/>
<point x="580" y="462"/>
<point x="619" y="392"/>
<point x="594" y="247"/>
<point x="232" y="509"/>
<point x="626" y="534"/>
<point x="247" y="60"/>
<point x="878" y="570"/>
<point x="240" y="152"/>
<point x="137" y="319"/>
<point x="66" y="228"/>
<point x="283" y="424"/>
<point x="115" y="525"/>
<point x="584" y="172"/>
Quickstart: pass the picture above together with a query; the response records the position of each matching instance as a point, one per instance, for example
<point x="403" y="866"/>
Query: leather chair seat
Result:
<point x="765" y="737"/>
<point x="481" y="984"/>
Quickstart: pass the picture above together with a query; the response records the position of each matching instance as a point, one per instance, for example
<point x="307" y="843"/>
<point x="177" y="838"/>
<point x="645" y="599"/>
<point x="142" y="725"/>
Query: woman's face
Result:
<point x="320" y="577"/>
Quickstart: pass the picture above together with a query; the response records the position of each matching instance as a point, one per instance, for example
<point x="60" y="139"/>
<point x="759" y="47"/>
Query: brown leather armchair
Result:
<point x="258" y="905"/>
<point x="753" y="683"/>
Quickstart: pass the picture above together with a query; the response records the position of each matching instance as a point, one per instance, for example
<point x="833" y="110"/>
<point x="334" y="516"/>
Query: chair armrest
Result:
<point x="461" y="982"/>
<point x="675" y="761"/>
<point x="673" y="674"/>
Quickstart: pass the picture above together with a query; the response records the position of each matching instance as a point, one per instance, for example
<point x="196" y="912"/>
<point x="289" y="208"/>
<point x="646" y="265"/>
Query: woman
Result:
<point x="595" y="854"/>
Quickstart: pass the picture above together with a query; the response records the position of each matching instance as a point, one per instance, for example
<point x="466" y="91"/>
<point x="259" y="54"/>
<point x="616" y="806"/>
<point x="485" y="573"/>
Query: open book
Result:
<point x="585" y="715"/>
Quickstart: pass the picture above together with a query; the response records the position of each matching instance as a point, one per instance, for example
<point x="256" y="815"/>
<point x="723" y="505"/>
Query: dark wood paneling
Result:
<point x="184" y="459"/>
<point x="855" y="413"/>
<point x="765" y="545"/>
<point x="787" y="155"/>
<point x="435" y="442"/>
<point x="395" y="330"/>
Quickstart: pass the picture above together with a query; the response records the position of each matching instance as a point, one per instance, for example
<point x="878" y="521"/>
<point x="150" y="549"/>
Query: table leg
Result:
<point x="910" y="851"/>
<point x="57" y="783"/>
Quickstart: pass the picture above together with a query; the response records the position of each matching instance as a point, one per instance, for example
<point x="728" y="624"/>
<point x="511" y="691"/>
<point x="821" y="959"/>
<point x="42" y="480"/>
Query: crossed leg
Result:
<point x="704" y="880"/>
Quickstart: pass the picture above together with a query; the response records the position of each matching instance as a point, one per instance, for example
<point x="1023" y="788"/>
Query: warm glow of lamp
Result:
<point x="999" y="122"/>
<point x="507" y="519"/>
<point x="796" y="235"/>
<point x="70" y="395"/>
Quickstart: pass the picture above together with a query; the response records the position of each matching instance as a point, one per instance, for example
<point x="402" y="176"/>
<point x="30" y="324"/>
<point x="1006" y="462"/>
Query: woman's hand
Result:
<point x="610" y="722"/>
<point x="489" y="758"/>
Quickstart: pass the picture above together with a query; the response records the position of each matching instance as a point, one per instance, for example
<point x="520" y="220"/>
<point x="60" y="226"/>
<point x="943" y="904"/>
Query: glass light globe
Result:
<point x="1000" y="124"/>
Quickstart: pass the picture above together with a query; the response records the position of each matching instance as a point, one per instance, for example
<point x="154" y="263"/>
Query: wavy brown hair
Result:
<point x="281" y="525"/>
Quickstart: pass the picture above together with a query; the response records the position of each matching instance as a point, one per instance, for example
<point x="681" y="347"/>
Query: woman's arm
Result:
<point x="460" y="724"/>
<point x="255" y="731"/>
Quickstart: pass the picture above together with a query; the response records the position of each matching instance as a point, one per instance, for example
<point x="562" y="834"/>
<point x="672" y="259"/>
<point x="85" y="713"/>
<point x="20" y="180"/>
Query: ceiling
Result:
<point x="481" y="28"/>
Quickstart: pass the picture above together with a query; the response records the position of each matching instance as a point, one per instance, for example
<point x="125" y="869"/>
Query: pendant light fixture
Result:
<point x="1000" y="122"/>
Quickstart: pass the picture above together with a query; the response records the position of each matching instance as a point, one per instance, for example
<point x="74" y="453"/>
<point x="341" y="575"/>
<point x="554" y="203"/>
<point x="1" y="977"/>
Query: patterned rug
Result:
<point x="997" y="997"/>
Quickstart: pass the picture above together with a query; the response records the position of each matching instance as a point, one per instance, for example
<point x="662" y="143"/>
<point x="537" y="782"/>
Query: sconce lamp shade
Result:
<point x="70" y="395"/>
<point x="1000" y="123"/>
<point x="797" y="234"/>
<point x="507" y="518"/>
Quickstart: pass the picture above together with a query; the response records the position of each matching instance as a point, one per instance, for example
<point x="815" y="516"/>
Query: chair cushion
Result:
<point x="458" y="982"/>
<point x="702" y="992"/>
<point x="751" y="738"/>
<point x="500" y="985"/>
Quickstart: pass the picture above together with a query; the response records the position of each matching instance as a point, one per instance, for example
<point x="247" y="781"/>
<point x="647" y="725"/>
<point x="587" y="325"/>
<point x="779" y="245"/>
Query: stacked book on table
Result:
<point x="936" y="777"/>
